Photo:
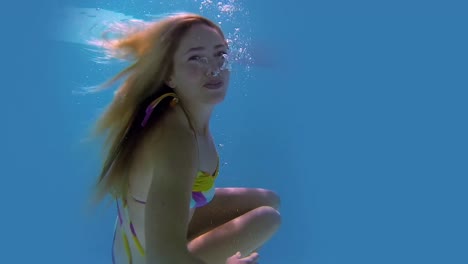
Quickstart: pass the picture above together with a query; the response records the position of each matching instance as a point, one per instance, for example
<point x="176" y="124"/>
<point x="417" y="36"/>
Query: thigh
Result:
<point x="227" y="204"/>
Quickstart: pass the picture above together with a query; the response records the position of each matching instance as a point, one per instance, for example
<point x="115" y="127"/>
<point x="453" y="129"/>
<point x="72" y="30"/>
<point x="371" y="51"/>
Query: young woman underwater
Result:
<point x="161" y="162"/>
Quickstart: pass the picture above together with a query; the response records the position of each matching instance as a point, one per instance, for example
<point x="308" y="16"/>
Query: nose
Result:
<point x="213" y="73"/>
<point x="213" y="68"/>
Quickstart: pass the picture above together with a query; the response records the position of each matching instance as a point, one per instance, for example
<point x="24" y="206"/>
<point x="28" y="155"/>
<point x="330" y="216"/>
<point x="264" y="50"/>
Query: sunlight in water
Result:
<point x="84" y="26"/>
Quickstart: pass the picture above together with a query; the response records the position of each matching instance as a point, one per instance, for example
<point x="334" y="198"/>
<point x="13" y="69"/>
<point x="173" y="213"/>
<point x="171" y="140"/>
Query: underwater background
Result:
<point x="354" y="112"/>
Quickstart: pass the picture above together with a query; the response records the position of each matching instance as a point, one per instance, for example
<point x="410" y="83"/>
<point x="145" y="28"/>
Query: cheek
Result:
<point x="193" y="71"/>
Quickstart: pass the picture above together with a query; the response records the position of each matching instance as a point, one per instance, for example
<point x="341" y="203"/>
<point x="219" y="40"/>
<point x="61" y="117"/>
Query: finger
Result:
<point x="254" y="255"/>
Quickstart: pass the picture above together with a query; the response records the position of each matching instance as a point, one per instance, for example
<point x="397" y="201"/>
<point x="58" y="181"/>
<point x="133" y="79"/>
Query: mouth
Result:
<point x="214" y="84"/>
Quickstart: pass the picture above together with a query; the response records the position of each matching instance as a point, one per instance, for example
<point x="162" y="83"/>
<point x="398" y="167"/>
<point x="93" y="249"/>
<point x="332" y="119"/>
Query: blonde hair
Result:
<point x="151" y="49"/>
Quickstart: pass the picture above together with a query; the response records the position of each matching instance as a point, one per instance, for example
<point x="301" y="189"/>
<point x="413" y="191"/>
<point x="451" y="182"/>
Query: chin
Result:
<point x="215" y="98"/>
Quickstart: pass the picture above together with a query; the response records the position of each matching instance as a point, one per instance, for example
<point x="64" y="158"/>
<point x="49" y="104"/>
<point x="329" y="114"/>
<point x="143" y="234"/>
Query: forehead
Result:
<point x="200" y="36"/>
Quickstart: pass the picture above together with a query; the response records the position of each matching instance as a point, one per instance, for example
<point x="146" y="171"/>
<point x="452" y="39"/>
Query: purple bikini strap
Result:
<point x="150" y="108"/>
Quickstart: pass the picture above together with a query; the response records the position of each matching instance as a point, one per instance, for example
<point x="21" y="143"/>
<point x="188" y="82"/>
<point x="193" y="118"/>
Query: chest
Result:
<point x="208" y="155"/>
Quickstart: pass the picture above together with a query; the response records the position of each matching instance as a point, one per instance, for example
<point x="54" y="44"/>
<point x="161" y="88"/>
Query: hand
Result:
<point x="236" y="259"/>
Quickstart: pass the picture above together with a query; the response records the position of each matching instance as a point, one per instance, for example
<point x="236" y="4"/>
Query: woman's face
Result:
<point x="200" y="70"/>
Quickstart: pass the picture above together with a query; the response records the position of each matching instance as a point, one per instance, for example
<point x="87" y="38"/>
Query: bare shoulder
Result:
<point x="173" y="151"/>
<point x="174" y="137"/>
<point x="165" y="145"/>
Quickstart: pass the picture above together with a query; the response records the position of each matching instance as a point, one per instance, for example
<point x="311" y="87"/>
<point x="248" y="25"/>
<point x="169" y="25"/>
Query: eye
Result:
<point x="198" y="59"/>
<point x="194" y="58"/>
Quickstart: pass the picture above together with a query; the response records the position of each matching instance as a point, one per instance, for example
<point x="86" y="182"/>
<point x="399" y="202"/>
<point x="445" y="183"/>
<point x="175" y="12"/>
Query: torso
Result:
<point x="140" y="181"/>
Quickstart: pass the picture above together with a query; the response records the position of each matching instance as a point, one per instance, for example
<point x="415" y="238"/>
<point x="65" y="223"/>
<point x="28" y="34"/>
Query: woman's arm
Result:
<point x="168" y="201"/>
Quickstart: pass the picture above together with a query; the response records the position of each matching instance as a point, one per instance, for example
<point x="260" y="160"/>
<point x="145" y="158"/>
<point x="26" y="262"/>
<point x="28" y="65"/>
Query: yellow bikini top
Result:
<point x="205" y="181"/>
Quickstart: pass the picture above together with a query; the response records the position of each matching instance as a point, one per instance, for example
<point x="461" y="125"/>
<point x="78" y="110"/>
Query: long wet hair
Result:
<point x="151" y="50"/>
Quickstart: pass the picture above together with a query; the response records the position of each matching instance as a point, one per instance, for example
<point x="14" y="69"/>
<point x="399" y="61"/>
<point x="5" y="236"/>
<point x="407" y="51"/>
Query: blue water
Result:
<point x="357" y="118"/>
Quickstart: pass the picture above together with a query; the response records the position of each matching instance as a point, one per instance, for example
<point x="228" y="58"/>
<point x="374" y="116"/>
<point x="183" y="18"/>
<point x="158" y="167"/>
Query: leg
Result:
<point x="228" y="204"/>
<point x="237" y="219"/>
<point x="244" y="233"/>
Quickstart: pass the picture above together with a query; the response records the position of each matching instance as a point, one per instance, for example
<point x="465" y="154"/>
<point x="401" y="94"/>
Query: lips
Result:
<point x="214" y="84"/>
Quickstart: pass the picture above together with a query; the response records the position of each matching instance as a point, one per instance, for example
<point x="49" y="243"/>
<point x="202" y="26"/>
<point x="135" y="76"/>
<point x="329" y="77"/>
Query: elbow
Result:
<point x="167" y="252"/>
<point x="172" y="257"/>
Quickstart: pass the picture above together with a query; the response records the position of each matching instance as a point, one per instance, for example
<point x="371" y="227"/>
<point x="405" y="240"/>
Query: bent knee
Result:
<point x="276" y="200"/>
<point x="272" y="198"/>
<point x="268" y="216"/>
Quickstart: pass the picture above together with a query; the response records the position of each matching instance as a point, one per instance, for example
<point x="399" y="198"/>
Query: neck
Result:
<point x="199" y="116"/>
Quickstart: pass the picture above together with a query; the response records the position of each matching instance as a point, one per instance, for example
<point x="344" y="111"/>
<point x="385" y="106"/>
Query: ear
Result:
<point x="170" y="82"/>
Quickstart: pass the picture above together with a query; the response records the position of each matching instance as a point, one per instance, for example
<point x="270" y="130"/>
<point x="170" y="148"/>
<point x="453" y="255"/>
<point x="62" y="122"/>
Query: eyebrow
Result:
<point x="202" y="48"/>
